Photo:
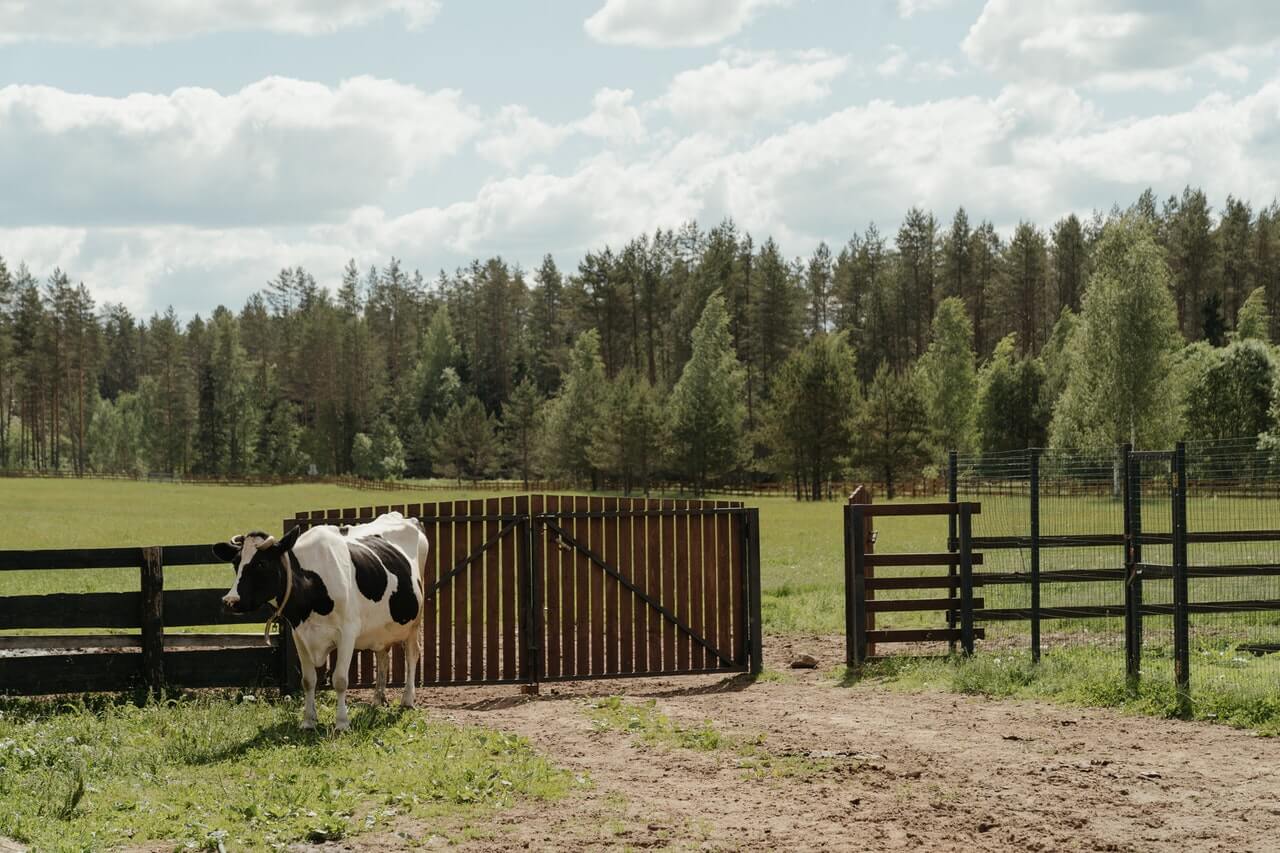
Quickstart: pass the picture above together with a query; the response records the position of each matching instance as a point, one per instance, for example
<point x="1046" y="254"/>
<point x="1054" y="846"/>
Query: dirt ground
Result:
<point x="877" y="770"/>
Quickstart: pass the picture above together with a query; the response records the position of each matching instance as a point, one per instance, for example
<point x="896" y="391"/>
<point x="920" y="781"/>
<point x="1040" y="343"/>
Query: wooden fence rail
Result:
<point x="92" y="661"/>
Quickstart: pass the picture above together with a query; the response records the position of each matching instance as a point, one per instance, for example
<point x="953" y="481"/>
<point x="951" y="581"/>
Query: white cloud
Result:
<point x="1033" y="151"/>
<point x="741" y="88"/>
<point x="898" y="63"/>
<point x="517" y="136"/>
<point x="111" y="22"/>
<point x="672" y="23"/>
<point x="911" y="8"/>
<point x="278" y="150"/>
<point x="1129" y="44"/>
<point x="894" y="63"/>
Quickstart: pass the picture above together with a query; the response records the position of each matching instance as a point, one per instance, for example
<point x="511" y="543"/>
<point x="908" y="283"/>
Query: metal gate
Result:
<point x="521" y="590"/>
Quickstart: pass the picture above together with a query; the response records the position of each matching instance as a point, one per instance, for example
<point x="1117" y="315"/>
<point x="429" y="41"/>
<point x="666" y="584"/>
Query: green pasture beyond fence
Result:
<point x="1162" y="566"/>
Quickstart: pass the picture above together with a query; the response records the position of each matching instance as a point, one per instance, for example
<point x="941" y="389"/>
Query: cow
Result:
<point x="342" y="589"/>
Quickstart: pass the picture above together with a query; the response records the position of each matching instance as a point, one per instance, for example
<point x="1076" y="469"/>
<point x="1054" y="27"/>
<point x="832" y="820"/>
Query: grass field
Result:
<point x="210" y="773"/>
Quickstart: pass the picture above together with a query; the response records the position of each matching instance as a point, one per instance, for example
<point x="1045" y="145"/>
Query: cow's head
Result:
<point x="258" y="561"/>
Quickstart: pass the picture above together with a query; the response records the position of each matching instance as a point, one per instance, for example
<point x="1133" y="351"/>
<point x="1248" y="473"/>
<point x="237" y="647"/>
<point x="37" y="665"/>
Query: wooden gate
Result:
<point x="544" y="588"/>
<point x="918" y="589"/>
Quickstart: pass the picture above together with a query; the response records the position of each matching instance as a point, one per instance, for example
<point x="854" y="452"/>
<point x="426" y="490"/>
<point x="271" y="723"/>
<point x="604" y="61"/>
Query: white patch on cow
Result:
<point x="248" y="550"/>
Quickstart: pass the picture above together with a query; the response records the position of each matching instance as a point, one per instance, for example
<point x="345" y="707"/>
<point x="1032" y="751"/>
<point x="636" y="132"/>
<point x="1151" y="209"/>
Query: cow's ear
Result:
<point x="286" y="544"/>
<point x="226" y="552"/>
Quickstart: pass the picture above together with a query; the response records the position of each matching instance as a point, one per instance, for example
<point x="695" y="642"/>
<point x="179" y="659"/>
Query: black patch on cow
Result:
<point x="371" y="578"/>
<point x="310" y="595"/>
<point x="404" y="601"/>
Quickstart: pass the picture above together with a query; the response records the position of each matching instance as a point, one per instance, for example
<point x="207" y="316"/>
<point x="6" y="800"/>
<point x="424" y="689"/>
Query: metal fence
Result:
<point x="1159" y="566"/>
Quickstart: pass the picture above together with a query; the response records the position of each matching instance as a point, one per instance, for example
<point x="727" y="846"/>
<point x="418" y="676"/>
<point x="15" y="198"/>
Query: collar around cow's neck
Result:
<point x="286" y="562"/>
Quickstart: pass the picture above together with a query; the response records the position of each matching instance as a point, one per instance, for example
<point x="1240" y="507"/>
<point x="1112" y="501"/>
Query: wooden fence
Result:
<point x="146" y="657"/>
<point x="544" y="588"/>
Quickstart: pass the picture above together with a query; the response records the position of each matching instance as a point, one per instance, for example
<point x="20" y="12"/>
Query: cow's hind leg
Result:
<point x="382" y="665"/>
<point x="412" y="654"/>
<point x="341" y="671"/>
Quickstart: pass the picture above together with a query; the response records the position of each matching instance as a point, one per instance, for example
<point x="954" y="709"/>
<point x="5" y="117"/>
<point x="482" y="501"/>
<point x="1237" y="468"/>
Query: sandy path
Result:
<point x="902" y="770"/>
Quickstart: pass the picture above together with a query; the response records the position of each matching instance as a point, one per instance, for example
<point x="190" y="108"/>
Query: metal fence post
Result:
<point x="1181" y="622"/>
<point x="1132" y="495"/>
<point x="966" y="578"/>
<point x="953" y="495"/>
<point x="1033" y="462"/>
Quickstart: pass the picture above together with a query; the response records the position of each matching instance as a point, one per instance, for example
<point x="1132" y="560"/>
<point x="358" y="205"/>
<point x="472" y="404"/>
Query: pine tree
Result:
<point x="573" y="412"/>
<point x="627" y="440"/>
<point x="948" y="379"/>
<point x="706" y="408"/>
<point x="521" y="420"/>
<point x="1013" y="406"/>
<point x="891" y="428"/>
<point x="808" y="425"/>
<point x="1254" y="321"/>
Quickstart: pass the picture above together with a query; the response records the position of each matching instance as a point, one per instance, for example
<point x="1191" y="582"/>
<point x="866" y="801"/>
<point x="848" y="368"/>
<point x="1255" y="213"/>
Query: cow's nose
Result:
<point x="230" y="600"/>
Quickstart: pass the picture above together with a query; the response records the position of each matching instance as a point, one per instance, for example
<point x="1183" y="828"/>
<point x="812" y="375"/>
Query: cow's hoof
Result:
<point x="309" y="725"/>
<point x="406" y="703"/>
<point x="379" y="700"/>
<point x="342" y="725"/>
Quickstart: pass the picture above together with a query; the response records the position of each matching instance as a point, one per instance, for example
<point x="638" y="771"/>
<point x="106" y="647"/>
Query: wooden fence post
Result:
<point x="151" y="618"/>
<point x="753" y="590"/>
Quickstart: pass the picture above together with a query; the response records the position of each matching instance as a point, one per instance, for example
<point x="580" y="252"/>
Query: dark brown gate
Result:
<point x="544" y="588"/>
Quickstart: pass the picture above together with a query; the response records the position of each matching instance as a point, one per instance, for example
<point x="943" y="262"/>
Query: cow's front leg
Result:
<point x="309" y="678"/>
<point x="382" y="665"/>
<point x="412" y="653"/>
<point x="341" y="670"/>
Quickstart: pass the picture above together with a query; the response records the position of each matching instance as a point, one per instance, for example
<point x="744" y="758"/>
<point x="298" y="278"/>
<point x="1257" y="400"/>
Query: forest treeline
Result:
<point x="701" y="355"/>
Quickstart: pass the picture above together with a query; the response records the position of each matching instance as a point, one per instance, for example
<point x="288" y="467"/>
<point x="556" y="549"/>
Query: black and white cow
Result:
<point x="341" y="589"/>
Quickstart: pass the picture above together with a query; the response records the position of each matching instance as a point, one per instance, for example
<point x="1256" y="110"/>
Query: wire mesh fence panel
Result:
<point x="1001" y="483"/>
<point x="1233" y="586"/>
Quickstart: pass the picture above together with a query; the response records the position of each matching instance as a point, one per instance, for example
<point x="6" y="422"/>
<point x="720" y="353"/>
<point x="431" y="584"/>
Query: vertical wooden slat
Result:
<point x="531" y="569"/>
<point x="611" y="586"/>
<point x="682" y="584"/>
<point x="728" y="579"/>
<point x="734" y="572"/>
<point x="444" y="598"/>
<point x="697" y="597"/>
<point x="479" y="575"/>
<point x="582" y="589"/>
<point x="510" y="614"/>
<point x="669" y="599"/>
<point x="430" y="671"/>
<point x="492" y="612"/>
<point x="597" y="577"/>
<point x="556" y="617"/>
<point x="626" y="600"/>
<point x="711" y="583"/>
<point x="653" y="571"/>
<point x="460" y="600"/>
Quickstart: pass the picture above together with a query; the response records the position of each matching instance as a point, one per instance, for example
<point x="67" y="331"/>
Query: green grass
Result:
<point x="1093" y="677"/>
<point x="209" y="772"/>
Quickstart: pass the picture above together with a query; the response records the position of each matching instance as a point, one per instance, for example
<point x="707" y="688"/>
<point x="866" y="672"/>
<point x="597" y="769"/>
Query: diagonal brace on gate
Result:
<point x="565" y="537"/>
<point x="470" y="558"/>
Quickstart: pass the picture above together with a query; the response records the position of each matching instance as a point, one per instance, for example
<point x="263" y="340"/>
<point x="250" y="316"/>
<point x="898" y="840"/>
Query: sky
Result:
<point x="181" y="152"/>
